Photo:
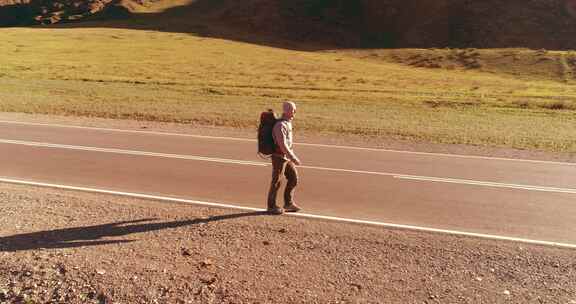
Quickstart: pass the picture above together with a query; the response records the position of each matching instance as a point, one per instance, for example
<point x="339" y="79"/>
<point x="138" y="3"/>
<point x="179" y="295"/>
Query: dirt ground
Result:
<point x="69" y="247"/>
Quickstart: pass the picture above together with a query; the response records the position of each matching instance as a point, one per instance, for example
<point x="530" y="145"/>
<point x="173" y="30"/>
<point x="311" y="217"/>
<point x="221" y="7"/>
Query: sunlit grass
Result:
<point x="147" y="75"/>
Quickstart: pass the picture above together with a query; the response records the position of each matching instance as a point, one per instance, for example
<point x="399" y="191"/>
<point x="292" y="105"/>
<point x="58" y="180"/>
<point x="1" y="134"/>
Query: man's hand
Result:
<point x="296" y="161"/>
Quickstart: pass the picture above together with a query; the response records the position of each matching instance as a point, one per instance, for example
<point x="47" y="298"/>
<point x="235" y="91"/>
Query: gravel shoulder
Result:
<point x="69" y="247"/>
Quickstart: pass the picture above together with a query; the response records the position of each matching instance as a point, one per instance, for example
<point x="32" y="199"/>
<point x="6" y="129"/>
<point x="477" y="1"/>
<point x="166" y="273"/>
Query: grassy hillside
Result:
<point x="515" y="97"/>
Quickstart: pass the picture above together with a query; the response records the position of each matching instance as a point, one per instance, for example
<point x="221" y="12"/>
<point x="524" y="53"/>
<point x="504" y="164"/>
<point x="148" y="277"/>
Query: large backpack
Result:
<point x="266" y="144"/>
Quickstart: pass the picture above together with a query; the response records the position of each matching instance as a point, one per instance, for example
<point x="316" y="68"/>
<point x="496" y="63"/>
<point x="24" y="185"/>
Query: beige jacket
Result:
<point x="282" y="133"/>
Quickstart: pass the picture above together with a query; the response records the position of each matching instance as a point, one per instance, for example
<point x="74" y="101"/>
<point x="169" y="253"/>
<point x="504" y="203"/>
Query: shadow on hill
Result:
<point x="13" y="15"/>
<point x="203" y="18"/>
<point x="92" y="235"/>
<point x="311" y="25"/>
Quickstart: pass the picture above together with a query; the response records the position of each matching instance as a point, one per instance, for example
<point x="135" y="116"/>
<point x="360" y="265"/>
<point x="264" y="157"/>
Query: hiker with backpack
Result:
<point x="275" y="139"/>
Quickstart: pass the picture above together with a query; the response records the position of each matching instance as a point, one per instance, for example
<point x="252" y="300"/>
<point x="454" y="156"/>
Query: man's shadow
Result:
<point x="92" y="235"/>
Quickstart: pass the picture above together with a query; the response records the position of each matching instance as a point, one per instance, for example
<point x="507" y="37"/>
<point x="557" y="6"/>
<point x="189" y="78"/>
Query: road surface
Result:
<point x="533" y="200"/>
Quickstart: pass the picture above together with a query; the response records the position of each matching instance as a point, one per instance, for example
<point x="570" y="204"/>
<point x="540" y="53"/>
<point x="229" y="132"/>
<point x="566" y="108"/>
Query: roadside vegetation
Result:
<point x="516" y="98"/>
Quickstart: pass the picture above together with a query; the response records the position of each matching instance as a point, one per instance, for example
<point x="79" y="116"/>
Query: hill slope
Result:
<point x="367" y="23"/>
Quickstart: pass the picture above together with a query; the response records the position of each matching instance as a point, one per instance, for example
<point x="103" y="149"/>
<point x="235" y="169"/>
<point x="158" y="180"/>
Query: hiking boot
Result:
<point x="292" y="207"/>
<point x="275" y="210"/>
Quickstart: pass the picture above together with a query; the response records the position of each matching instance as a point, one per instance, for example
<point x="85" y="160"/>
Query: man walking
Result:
<point x="284" y="162"/>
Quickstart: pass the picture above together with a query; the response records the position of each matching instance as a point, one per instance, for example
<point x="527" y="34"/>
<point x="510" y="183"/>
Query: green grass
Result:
<point x="436" y="96"/>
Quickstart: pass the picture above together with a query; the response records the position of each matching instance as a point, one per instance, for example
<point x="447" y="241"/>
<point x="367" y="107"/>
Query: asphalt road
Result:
<point x="514" y="198"/>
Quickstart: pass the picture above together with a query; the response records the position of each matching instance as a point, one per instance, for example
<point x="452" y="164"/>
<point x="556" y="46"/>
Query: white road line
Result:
<point x="349" y="171"/>
<point x="261" y="164"/>
<point x="452" y="180"/>
<point x="125" y="131"/>
<point x="486" y="184"/>
<point x="132" y="152"/>
<point x="297" y="144"/>
<point x="298" y="215"/>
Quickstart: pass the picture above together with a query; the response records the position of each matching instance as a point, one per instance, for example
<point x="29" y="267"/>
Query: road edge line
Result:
<point x="297" y="215"/>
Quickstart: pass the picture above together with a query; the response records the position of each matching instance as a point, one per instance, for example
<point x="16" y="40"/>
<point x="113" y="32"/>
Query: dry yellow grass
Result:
<point x="149" y="75"/>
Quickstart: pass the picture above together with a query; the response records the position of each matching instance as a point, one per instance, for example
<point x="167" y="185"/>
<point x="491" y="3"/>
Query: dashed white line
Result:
<point x="298" y="215"/>
<point x="132" y="152"/>
<point x="124" y="130"/>
<point x="261" y="164"/>
<point x="486" y="184"/>
<point x="298" y="144"/>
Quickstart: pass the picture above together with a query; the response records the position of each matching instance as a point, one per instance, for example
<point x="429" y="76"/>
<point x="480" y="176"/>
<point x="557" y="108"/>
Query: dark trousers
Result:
<point x="282" y="168"/>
